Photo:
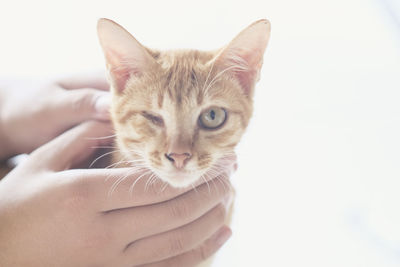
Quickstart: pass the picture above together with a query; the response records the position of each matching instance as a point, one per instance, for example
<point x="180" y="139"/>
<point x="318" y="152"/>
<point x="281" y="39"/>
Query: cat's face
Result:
<point x="179" y="112"/>
<point x="178" y="123"/>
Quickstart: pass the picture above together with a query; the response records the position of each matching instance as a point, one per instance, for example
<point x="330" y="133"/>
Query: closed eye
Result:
<point x="157" y="120"/>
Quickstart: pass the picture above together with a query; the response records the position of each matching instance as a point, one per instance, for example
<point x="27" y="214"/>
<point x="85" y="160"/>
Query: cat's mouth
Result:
<point x="186" y="177"/>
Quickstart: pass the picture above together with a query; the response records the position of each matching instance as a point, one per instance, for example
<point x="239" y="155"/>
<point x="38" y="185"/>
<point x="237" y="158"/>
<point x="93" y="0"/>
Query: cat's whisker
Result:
<point x="130" y="169"/>
<point x="139" y="178"/>
<point x="133" y="185"/>
<point x="118" y="182"/>
<point x="217" y="172"/>
<point x="211" y="181"/>
<point x="228" y="153"/>
<point x="214" y="80"/>
<point x="138" y="155"/>
<point x="135" y="163"/>
<point x="220" y="179"/>
<point x="102" y="137"/>
<point x="122" y="178"/>
<point x="155" y="179"/>
<point x="105" y="147"/>
<point x="218" y="169"/>
<point x="137" y="152"/>
<point x="205" y="180"/>
<point x="102" y="156"/>
<point x="148" y="182"/>
<point x="164" y="187"/>
<point x="215" y="185"/>
<point x="208" y="75"/>
<point x="138" y="164"/>
<point x="114" y="186"/>
<point x="194" y="188"/>
<point x="137" y="160"/>
<point x="115" y="164"/>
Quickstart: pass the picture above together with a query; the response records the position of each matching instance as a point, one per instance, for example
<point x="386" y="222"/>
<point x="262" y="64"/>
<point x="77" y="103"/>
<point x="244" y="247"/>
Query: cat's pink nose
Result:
<point x="179" y="160"/>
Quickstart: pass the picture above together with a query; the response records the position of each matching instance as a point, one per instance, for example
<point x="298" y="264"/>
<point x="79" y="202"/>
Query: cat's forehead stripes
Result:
<point x="183" y="73"/>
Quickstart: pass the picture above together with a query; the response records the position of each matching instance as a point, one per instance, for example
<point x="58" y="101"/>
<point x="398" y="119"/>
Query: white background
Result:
<point x="318" y="181"/>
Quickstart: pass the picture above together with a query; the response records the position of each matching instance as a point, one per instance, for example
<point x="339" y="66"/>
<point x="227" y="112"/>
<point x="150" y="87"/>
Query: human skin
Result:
<point x="52" y="214"/>
<point x="34" y="111"/>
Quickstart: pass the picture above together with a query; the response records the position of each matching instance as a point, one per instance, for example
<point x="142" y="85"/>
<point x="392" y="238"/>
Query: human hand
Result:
<point x="32" y="112"/>
<point x="54" y="215"/>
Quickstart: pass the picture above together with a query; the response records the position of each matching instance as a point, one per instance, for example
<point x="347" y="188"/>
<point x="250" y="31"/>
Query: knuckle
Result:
<point x="176" y="244"/>
<point x="203" y="252"/>
<point x="83" y="98"/>
<point x="96" y="239"/>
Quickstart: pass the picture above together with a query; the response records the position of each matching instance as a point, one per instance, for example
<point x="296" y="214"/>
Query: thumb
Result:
<point x="85" y="104"/>
<point x="73" y="146"/>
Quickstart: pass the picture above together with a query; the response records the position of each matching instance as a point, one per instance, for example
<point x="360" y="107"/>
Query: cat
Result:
<point x="177" y="113"/>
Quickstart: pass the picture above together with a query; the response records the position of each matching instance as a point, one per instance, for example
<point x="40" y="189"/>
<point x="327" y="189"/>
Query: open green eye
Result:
<point x="212" y="118"/>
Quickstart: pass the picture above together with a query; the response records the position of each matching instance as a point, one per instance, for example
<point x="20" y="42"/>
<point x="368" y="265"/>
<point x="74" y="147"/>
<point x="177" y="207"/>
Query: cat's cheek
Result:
<point x="128" y="131"/>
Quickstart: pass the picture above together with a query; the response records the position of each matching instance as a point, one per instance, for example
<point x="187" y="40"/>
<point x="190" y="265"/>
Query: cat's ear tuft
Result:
<point x="125" y="56"/>
<point x="243" y="56"/>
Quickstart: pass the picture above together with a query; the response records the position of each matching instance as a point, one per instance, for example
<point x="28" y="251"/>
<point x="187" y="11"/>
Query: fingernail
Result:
<point x="223" y="235"/>
<point x="103" y="104"/>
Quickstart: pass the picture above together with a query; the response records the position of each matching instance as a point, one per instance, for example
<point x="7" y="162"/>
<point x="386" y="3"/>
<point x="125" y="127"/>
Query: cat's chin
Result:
<point x="180" y="179"/>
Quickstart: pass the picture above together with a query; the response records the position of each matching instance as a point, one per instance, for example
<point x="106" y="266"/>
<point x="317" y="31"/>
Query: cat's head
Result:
<point x="179" y="112"/>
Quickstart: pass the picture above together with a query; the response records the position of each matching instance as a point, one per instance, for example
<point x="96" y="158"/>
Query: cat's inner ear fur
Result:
<point x="243" y="56"/>
<point x="125" y="56"/>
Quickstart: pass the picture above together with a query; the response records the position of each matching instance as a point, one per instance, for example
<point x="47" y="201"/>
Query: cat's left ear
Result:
<point x="243" y="56"/>
<point x="126" y="57"/>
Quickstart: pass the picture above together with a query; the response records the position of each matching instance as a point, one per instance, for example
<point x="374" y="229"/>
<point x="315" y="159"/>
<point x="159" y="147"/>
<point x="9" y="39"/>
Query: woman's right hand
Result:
<point x="33" y="112"/>
<point x="54" y="215"/>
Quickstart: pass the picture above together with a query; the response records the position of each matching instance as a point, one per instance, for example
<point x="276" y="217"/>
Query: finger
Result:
<point x="84" y="104"/>
<point x="73" y="146"/>
<point x="168" y="215"/>
<point x="198" y="255"/>
<point x="95" y="79"/>
<point x="175" y="242"/>
<point x="113" y="189"/>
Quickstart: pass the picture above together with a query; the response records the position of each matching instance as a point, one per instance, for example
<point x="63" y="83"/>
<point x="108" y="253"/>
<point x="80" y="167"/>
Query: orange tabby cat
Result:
<point x="177" y="113"/>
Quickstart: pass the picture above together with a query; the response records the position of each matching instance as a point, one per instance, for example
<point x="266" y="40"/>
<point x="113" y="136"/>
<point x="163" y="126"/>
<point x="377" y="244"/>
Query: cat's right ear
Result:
<point x="126" y="58"/>
<point x="243" y="56"/>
